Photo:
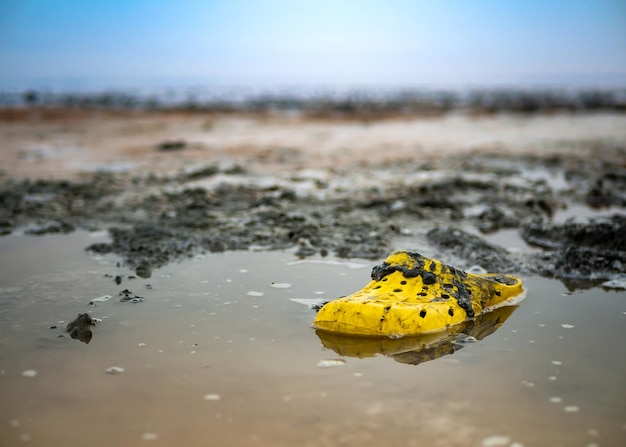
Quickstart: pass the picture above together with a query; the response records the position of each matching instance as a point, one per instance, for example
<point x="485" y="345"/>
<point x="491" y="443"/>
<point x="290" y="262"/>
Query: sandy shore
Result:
<point x="71" y="143"/>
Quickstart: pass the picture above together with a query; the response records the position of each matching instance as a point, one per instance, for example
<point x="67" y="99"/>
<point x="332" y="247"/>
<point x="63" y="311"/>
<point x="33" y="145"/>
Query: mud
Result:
<point x="80" y="328"/>
<point x="443" y="204"/>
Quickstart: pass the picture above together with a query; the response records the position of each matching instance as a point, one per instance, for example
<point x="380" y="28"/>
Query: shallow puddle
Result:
<point x="221" y="352"/>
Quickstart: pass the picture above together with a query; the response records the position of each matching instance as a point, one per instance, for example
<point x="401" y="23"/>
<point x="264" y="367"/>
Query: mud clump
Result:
<point x="172" y="145"/>
<point x="80" y="328"/>
<point x="473" y="249"/>
<point x="591" y="252"/>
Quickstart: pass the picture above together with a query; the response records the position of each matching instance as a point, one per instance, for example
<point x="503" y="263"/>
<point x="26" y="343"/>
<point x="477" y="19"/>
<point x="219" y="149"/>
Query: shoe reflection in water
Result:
<point x="418" y="349"/>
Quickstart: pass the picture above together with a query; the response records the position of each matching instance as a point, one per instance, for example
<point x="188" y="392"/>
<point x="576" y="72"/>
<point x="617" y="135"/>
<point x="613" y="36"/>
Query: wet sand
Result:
<point x="218" y="353"/>
<point x="63" y="146"/>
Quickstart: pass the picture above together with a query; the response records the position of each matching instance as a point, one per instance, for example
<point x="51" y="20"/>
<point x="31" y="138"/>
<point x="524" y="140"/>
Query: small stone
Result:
<point x="30" y="373"/>
<point x="115" y="370"/>
<point x="280" y="285"/>
<point x="149" y="436"/>
<point x="212" y="397"/>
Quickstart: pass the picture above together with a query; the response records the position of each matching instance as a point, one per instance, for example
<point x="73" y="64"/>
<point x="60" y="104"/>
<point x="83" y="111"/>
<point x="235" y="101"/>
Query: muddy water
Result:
<point x="219" y="354"/>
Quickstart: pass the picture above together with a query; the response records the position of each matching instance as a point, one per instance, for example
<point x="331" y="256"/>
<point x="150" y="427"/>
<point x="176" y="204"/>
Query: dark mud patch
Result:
<point x="470" y="247"/>
<point x="579" y="253"/>
<point x="80" y="328"/>
<point x="155" y="220"/>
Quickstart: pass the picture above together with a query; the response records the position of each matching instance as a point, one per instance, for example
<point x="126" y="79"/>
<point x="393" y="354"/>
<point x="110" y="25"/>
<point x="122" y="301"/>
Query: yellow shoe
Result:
<point x="412" y="295"/>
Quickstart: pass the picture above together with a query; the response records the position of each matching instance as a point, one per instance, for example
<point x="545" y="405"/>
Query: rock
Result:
<point x="80" y="328"/>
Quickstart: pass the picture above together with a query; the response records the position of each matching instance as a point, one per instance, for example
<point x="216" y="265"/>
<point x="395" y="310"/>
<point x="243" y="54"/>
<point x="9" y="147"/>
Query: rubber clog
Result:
<point x="413" y="295"/>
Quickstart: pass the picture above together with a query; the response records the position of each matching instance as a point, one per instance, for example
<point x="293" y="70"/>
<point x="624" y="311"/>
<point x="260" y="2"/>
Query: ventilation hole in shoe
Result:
<point x="451" y="312"/>
<point x="403" y="282"/>
<point x="397" y="290"/>
<point x="445" y="296"/>
<point x="422" y="313"/>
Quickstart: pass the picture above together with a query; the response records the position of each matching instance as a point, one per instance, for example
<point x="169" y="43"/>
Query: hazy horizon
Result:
<point x="70" y="44"/>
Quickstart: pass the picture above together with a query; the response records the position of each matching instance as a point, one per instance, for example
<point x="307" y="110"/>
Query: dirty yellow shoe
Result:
<point x="412" y="295"/>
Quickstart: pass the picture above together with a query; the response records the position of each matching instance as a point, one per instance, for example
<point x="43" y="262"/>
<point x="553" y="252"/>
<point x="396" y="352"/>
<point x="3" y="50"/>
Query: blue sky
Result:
<point x="313" y="41"/>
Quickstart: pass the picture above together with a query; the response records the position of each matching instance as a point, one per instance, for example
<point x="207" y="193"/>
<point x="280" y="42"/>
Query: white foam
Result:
<point x="310" y="302"/>
<point x="495" y="441"/>
<point x="330" y="363"/>
<point x="349" y="264"/>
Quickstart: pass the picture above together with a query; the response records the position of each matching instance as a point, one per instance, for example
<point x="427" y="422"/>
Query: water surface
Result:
<point x="218" y="353"/>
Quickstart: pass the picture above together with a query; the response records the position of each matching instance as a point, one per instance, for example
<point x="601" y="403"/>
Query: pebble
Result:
<point x="114" y="370"/>
<point x="149" y="436"/>
<point x="567" y="326"/>
<point x="255" y="293"/>
<point x="571" y="409"/>
<point x="280" y="285"/>
<point x="212" y="397"/>
<point x="29" y="373"/>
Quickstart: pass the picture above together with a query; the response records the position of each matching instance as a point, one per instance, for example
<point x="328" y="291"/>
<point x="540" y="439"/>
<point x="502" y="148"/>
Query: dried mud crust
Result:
<point x="157" y="219"/>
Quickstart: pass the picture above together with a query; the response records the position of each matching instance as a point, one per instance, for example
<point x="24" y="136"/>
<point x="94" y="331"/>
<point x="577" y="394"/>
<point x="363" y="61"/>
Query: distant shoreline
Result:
<point x="341" y="102"/>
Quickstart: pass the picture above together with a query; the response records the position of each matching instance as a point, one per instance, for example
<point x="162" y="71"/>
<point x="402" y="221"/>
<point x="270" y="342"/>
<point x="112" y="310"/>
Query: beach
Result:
<point x="194" y="237"/>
